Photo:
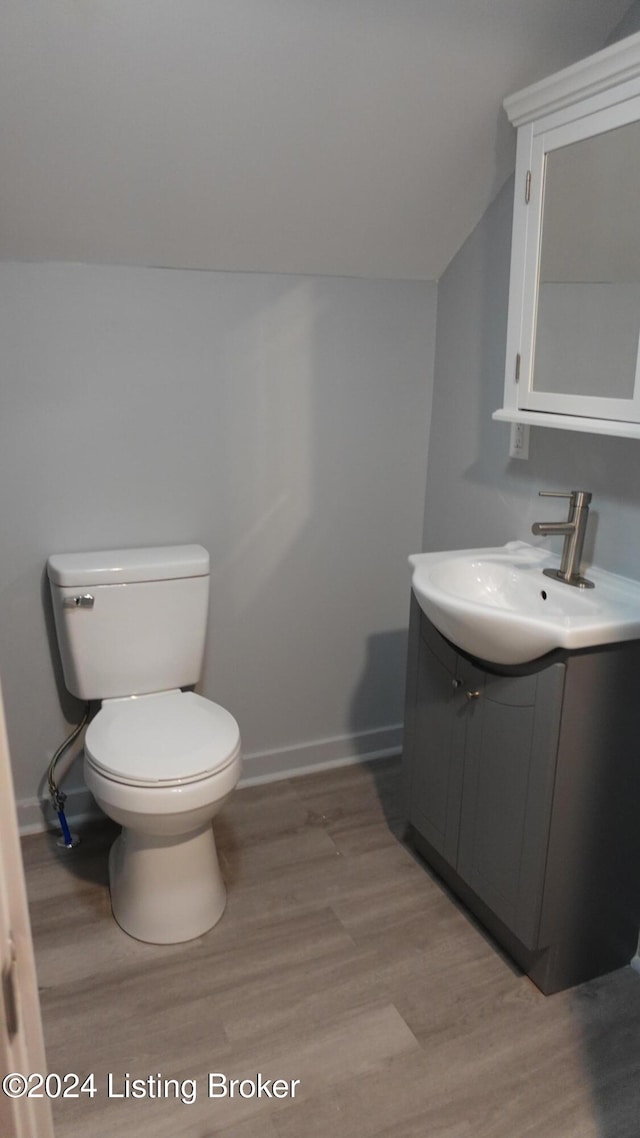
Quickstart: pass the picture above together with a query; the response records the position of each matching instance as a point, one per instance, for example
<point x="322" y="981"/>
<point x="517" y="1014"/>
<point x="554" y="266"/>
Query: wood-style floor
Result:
<point x="339" y="962"/>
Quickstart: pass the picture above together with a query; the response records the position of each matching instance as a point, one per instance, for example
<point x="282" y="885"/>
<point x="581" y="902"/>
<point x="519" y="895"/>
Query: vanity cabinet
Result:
<point x="522" y="792"/>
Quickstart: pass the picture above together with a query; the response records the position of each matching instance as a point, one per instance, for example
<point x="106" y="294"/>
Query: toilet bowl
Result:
<point x="164" y="875"/>
<point x="159" y="760"/>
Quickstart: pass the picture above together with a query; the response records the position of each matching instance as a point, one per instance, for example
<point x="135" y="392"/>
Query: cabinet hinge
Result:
<point x="518" y="367"/>
<point x="527" y="188"/>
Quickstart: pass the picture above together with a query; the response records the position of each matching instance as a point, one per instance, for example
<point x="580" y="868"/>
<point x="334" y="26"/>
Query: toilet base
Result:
<point x="165" y="890"/>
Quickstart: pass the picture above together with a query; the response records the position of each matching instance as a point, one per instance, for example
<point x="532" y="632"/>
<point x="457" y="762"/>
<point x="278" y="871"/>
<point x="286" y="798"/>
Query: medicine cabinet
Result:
<point x="573" y="337"/>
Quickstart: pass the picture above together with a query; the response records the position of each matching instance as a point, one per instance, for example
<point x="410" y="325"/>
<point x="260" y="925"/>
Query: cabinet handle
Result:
<point x="471" y="695"/>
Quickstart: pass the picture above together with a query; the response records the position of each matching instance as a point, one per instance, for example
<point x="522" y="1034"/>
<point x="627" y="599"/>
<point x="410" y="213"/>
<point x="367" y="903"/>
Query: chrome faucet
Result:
<point x="574" y="530"/>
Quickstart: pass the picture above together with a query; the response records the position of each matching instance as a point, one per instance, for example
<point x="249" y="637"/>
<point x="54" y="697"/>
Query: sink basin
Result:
<point x="497" y="605"/>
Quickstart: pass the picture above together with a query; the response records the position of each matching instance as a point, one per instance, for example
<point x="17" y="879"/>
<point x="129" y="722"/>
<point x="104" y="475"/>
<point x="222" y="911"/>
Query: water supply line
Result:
<point x="67" y="840"/>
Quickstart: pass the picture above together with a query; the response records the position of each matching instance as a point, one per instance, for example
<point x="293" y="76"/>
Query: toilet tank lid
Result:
<point x="117" y="566"/>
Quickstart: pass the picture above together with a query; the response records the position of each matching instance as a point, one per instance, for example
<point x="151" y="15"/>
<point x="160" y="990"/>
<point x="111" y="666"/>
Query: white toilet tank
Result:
<point x="130" y="621"/>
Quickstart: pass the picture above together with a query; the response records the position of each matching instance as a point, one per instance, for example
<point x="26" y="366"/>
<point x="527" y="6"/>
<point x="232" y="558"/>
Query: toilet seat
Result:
<point x="165" y="739"/>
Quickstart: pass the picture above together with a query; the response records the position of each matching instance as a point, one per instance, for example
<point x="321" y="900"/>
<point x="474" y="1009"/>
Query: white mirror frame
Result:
<point x="597" y="94"/>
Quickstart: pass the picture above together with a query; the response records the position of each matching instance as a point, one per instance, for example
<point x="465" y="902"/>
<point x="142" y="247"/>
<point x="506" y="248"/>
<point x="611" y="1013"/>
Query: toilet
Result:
<point x="160" y="761"/>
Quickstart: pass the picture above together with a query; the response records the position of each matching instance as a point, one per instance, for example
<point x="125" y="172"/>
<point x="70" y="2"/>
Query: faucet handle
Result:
<point x="576" y="497"/>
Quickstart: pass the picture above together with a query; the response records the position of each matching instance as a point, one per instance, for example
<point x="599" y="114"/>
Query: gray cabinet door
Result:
<point x="510" y="758"/>
<point x="437" y="748"/>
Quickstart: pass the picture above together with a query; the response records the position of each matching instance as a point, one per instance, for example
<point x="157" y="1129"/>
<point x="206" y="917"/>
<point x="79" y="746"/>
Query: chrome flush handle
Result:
<point x="84" y="602"/>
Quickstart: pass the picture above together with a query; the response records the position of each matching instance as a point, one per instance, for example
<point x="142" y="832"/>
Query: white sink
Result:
<point x="497" y="605"/>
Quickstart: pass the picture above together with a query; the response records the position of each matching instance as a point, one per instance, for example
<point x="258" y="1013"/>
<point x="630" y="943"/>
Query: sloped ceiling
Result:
<point x="357" y="137"/>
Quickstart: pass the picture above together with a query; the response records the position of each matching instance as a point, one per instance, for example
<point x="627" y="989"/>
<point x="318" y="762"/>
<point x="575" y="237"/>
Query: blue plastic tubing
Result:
<point x="66" y="832"/>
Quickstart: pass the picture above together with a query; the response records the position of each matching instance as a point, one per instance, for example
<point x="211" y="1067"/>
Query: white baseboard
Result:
<point x="307" y="758"/>
<point x="35" y="815"/>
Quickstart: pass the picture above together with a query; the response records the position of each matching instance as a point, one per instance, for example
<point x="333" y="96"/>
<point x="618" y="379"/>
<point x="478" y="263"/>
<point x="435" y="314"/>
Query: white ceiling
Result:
<point x="357" y="137"/>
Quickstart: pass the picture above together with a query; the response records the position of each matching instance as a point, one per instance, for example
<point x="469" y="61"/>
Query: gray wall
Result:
<point x="629" y="24"/>
<point x="279" y="420"/>
<point x="476" y="495"/>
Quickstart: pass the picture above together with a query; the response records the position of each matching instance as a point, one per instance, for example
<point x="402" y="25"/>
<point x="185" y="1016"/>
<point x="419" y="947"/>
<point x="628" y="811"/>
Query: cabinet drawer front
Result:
<point x="511" y="691"/>
<point x="441" y="649"/>
<point x="436" y="777"/>
<point x="509" y="772"/>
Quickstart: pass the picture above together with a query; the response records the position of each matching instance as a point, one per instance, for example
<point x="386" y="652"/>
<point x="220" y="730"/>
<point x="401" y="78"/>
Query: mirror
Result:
<point x="588" y="314"/>
<point x="573" y="329"/>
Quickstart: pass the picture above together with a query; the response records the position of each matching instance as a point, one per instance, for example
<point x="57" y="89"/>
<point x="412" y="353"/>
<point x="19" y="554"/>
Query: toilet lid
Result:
<point x="165" y="739"/>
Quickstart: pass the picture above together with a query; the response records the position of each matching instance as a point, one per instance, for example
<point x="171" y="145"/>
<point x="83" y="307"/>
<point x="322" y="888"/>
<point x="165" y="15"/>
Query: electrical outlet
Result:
<point x="519" y="440"/>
